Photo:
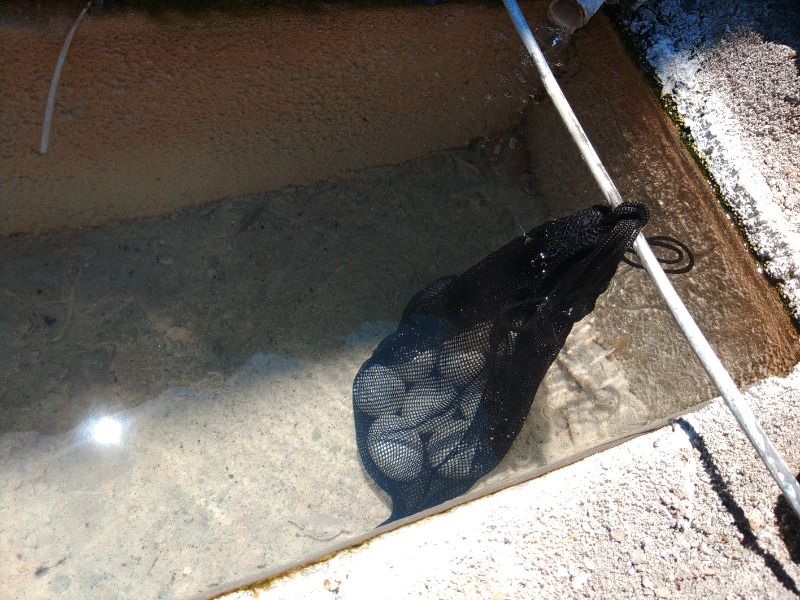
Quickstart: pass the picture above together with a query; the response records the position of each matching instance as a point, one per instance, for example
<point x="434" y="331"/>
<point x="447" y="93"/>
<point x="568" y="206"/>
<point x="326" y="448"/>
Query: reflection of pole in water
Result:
<point x="550" y="35"/>
<point x="554" y="42"/>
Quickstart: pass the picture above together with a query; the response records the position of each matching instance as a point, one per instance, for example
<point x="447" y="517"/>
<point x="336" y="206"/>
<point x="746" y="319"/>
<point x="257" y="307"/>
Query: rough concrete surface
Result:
<point x="687" y="511"/>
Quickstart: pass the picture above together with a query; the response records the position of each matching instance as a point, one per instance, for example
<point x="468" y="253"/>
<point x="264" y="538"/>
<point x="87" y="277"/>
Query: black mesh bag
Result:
<point x="441" y="400"/>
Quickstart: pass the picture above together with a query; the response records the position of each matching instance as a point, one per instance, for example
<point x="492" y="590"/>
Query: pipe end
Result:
<point x="568" y="14"/>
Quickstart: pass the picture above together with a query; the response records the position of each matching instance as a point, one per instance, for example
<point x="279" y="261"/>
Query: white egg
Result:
<point x="459" y="465"/>
<point x="437" y="423"/>
<point x="476" y="338"/>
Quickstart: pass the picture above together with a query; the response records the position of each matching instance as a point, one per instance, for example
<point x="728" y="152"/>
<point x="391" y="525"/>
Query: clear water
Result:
<point x="176" y="391"/>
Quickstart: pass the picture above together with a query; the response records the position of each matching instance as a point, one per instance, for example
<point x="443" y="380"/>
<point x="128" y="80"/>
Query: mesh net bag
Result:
<point x="441" y="400"/>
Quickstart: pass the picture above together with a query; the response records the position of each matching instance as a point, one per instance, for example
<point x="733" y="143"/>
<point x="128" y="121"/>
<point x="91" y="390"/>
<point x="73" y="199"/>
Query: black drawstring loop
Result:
<point x="681" y="253"/>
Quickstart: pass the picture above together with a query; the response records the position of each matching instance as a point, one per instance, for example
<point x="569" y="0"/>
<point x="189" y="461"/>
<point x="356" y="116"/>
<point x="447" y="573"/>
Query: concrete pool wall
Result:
<point x="162" y="114"/>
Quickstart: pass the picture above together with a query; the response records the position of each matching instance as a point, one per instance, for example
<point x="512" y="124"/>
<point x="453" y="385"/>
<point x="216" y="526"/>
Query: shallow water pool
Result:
<point x="222" y="341"/>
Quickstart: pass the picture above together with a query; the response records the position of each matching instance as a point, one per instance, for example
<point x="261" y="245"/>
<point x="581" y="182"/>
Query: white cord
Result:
<point x="51" y="97"/>
<point x="716" y="371"/>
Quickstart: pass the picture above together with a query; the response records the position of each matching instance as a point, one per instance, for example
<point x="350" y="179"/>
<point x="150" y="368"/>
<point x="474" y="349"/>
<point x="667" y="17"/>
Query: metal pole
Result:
<point x="711" y="363"/>
<point x="51" y="96"/>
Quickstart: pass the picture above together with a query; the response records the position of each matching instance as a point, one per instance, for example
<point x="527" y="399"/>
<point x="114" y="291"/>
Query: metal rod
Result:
<point x="711" y="363"/>
<point x="51" y="96"/>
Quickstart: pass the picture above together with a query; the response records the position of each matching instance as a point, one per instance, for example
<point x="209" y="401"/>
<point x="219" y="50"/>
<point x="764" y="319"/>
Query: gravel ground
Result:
<point x="686" y="511"/>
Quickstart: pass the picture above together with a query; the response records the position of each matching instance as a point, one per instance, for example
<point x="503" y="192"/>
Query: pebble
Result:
<point x="395" y="451"/>
<point x="637" y="557"/>
<point x="618" y="535"/>
<point x="418" y="368"/>
<point x="579" y="580"/>
<point x="461" y="367"/>
<point x="377" y="391"/>
<point x="679" y="492"/>
<point x="756" y="519"/>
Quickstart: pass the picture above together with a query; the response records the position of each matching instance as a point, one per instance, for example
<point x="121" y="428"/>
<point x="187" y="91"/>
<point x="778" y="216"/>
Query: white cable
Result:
<point x="51" y="97"/>
<point x="716" y="371"/>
